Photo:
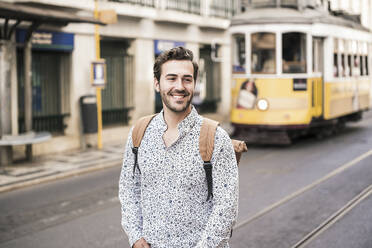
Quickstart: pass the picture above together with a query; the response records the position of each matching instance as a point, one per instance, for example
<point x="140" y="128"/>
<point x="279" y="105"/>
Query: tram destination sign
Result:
<point x="299" y="84"/>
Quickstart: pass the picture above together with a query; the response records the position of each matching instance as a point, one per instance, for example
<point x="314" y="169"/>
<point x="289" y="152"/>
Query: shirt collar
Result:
<point x="184" y="126"/>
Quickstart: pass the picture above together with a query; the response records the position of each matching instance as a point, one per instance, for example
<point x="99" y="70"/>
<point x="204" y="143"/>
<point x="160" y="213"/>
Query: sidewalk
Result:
<point x="53" y="167"/>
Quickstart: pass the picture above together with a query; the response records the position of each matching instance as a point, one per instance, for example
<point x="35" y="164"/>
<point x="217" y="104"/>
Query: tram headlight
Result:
<point x="262" y="104"/>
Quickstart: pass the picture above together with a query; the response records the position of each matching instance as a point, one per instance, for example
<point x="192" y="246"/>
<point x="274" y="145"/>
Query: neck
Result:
<point x="173" y="118"/>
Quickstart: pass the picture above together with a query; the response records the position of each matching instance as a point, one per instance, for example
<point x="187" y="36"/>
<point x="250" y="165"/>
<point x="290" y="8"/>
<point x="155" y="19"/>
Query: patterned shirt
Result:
<point x="165" y="201"/>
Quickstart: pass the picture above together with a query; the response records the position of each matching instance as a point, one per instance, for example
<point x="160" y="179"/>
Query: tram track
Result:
<point x="304" y="189"/>
<point x="334" y="218"/>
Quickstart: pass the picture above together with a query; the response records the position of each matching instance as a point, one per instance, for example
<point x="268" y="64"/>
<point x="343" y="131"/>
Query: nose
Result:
<point x="179" y="85"/>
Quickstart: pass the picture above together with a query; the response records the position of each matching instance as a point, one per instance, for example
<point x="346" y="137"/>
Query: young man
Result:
<point x="164" y="202"/>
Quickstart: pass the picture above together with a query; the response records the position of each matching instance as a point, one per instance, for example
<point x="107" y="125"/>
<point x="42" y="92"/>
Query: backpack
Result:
<point x="206" y="145"/>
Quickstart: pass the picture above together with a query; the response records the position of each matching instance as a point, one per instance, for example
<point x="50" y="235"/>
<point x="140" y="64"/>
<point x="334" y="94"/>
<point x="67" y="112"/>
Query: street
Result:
<point x="314" y="193"/>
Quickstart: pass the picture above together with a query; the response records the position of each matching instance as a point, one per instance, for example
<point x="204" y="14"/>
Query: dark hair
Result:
<point x="254" y="88"/>
<point x="177" y="53"/>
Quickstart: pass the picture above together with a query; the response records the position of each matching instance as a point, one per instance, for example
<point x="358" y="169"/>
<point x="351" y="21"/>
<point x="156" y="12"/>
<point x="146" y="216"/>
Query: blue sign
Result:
<point x="163" y="45"/>
<point x="47" y="40"/>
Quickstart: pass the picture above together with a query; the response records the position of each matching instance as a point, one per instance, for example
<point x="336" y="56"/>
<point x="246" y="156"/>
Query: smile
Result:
<point x="178" y="96"/>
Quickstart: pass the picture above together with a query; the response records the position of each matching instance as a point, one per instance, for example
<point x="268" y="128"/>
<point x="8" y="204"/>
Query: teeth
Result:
<point x="178" y="97"/>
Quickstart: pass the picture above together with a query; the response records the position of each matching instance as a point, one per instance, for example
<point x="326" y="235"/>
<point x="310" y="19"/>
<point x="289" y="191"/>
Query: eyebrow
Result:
<point x="175" y="75"/>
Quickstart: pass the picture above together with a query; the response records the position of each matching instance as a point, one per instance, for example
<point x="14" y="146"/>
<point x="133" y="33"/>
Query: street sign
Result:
<point x="108" y="16"/>
<point x="163" y="45"/>
<point x="48" y="40"/>
<point x="98" y="73"/>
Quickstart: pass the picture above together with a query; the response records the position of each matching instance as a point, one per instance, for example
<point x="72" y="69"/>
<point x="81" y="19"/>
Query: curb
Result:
<point x="58" y="176"/>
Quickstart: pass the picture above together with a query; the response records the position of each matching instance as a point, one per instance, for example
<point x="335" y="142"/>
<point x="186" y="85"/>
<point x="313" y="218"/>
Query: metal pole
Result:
<point x="28" y="94"/>
<point x="98" y="89"/>
<point x="5" y="99"/>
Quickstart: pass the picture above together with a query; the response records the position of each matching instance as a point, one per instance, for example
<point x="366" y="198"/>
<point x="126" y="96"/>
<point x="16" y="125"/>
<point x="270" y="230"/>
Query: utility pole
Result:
<point x="98" y="89"/>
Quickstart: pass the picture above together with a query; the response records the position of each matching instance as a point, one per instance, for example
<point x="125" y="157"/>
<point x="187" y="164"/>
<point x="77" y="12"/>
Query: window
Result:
<point x="335" y="58"/>
<point x="342" y="48"/>
<point x="317" y="54"/>
<point x="335" y="65"/>
<point x="363" y="59"/>
<point x="361" y="65"/>
<point x="348" y="56"/>
<point x="366" y="62"/>
<point x="294" y="52"/>
<point x="263" y="53"/>
<point x="342" y="69"/>
<point x="356" y="62"/>
<point x="239" y="53"/>
<point x="348" y="66"/>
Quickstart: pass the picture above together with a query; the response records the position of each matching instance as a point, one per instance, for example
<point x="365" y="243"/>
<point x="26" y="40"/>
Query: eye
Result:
<point x="171" y="78"/>
<point x="188" y="80"/>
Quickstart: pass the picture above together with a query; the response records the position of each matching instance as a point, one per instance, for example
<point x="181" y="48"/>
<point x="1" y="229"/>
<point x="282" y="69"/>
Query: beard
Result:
<point x="166" y="98"/>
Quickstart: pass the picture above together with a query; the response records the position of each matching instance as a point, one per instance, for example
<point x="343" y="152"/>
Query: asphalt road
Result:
<point x="315" y="193"/>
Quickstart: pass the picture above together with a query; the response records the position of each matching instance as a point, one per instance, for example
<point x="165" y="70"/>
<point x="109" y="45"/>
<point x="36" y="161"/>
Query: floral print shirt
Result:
<point x="165" y="201"/>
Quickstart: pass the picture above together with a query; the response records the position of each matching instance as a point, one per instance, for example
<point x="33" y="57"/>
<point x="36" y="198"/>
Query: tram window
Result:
<point x="366" y="60"/>
<point x="335" y="65"/>
<point x="361" y="65"/>
<point x="356" y="68"/>
<point x="343" y="71"/>
<point x="263" y="53"/>
<point x="348" y="66"/>
<point x="239" y="54"/>
<point x="317" y="55"/>
<point x="294" y="53"/>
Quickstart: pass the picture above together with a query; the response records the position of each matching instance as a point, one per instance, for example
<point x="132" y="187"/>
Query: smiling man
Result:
<point x="164" y="202"/>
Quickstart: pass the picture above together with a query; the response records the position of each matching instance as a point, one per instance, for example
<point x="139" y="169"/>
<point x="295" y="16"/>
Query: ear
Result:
<point x="156" y="85"/>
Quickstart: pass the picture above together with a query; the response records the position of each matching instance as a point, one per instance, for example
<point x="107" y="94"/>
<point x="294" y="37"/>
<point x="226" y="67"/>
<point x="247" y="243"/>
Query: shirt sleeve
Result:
<point x="130" y="195"/>
<point x="225" y="194"/>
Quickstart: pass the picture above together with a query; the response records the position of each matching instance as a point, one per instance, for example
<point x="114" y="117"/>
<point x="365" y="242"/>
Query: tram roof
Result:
<point x="291" y="16"/>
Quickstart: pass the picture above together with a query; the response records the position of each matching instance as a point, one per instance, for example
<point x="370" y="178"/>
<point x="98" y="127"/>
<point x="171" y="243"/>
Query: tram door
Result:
<point x="318" y="80"/>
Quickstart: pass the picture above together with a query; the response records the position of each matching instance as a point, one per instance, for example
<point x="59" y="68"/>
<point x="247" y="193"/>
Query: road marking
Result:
<point x="304" y="189"/>
<point x="334" y="218"/>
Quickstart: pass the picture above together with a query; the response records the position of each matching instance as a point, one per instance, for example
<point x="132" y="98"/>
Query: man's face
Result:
<point x="176" y="85"/>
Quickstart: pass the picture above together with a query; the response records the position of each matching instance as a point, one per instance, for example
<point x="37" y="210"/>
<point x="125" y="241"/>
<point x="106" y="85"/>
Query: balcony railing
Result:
<point x="188" y="6"/>
<point x="278" y="3"/>
<point x="147" y="3"/>
<point x="222" y="8"/>
<point x="217" y="8"/>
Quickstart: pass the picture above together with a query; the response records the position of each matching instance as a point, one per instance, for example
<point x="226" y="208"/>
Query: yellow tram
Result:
<point x="297" y="71"/>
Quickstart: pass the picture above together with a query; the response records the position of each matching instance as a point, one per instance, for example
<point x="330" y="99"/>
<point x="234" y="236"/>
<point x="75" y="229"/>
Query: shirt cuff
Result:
<point x="134" y="238"/>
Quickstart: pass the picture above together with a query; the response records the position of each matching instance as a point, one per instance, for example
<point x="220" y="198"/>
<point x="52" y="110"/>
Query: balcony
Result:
<point x="146" y="3"/>
<point x="222" y="8"/>
<point x="216" y="8"/>
<point x="281" y="3"/>
<point x="188" y="6"/>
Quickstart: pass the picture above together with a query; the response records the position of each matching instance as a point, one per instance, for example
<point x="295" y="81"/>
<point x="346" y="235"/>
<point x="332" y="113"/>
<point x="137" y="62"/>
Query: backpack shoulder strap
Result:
<point x="137" y="135"/>
<point x="140" y="128"/>
<point x="206" y="146"/>
<point x="206" y="139"/>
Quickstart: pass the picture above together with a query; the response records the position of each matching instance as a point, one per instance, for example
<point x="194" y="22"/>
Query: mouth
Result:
<point x="178" y="96"/>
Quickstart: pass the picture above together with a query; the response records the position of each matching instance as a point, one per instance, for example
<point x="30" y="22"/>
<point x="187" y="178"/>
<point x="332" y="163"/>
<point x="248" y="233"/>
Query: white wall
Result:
<point x="144" y="96"/>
